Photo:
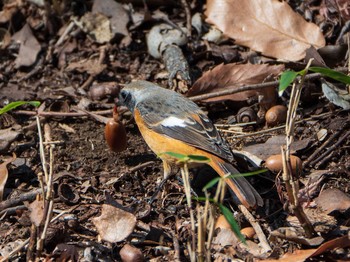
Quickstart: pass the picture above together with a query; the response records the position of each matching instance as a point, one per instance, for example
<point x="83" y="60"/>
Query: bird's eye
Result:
<point x="123" y="95"/>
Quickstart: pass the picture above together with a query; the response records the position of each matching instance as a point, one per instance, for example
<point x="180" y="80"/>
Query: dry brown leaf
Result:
<point x="302" y="255"/>
<point x="114" y="224"/>
<point x="92" y="67"/>
<point x="29" y="49"/>
<point x="9" y="10"/>
<point x="267" y="26"/>
<point x="272" y="146"/>
<point x="4" y="174"/>
<point x="231" y="76"/>
<point x="36" y="209"/>
<point x="118" y="17"/>
<point x="332" y="199"/>
<point x="97" y="26"/>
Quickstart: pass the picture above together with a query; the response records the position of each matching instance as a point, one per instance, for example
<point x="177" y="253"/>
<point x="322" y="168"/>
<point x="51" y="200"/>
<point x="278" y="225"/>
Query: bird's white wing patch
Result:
<point x="173" y="121"/>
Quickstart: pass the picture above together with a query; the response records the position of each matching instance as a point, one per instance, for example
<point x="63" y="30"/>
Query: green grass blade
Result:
<point x="286" y="79"/>
<point x="16" y="104"/>
<point x="339" y="76"/>
<point x="232" y="221"/>
<point x="201" y="159"/>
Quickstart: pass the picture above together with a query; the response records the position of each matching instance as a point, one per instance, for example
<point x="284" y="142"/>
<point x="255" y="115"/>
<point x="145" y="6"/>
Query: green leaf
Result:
<point x="339" y="76"/>
<point x="253" y="173"/>
<point x="180" y="157"/>
<point x="232" y="221"/>
<point x="185" y="158"/>
<point x="211" y="183"/>
<point x="286" y="79"/>
<point x="212" y="200"/>
<point x="16" y="104"/>
<point x="201" y="159"/>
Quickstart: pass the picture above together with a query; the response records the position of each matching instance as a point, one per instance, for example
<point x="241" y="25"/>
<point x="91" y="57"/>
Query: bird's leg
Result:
<point x="167" y="173"/>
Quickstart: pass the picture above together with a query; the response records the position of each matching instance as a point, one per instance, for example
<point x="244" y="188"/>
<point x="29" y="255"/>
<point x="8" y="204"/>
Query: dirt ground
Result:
<point x="86" y="174"/>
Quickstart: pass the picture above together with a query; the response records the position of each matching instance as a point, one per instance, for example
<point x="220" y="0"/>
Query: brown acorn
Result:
<point x="115" y="133"/>
<point x="275" y="164"/>
<point x="276" y="115"/>
<point x="131" y="253"/>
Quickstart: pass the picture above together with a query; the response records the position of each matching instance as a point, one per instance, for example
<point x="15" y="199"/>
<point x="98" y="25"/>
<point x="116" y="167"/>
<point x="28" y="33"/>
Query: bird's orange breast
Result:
<point x="160" y="143"/>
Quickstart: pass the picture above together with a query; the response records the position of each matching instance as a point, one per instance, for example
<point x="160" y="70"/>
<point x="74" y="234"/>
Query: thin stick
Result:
<point x="291" y="182"/>
<point x="261" y="236"/>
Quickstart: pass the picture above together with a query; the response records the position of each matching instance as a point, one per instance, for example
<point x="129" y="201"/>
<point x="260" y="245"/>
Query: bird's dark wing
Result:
<point x="187" y="123"/>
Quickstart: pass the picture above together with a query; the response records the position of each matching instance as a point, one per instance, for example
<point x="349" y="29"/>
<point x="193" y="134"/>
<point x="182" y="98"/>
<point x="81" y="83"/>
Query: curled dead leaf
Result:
<point x="4" y="174"/>
<point x="36" y="209"/>
<point x="267" y="26"/>
<point x="232" y="76"/>
<point x="332" y="199"/>
<point x="114" y="224"/>
<point x="30" y="47"/>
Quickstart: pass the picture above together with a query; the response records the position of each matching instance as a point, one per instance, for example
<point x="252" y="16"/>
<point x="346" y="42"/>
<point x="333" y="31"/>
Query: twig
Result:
<point x="91" y="78"/>
<point x="62" y="114"/>
<point x="322" y="157"/>
<point x="319" y="149"/>
<point x="291" y="182"/>
<point x="229" y="90"/>
<point x="261" y="236"/>
<point x="48" y="203"/>
<point x="187" y="8"/>
<point x="17" y="249"/>
<point x="65" y="33"/>
<point x="99" y="118"/>
<point x="29" y="196"/>
<point x="11" y="210"/>
<point x="273" y="128"/>
<point x="187" y="186"/>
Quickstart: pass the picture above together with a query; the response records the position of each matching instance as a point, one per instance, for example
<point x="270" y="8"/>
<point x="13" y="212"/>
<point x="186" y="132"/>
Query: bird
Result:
<point x="171" y="122"/>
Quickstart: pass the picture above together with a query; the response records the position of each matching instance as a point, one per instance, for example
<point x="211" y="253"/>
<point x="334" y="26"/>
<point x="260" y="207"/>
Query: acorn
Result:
<point x="276" y="115"/>
<point x="275" y="164"/>
<point x="115" y="133"/>
<point x="248" y="232"/>
<point x="221" y="222"/>
<point x="130" y="253"/>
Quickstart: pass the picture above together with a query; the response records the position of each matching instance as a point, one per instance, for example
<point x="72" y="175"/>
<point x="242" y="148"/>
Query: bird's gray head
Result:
<point x="135" y="92"/>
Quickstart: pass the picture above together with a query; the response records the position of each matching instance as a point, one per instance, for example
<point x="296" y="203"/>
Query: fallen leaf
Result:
<point x="335" y="95"/>
<point x="29" y="49"/>
<point x="118" y="17"/>
<point x="4" y="174"/>
<point x="273" y="146"/>
<point x="97" y="26"/>
<point x="267" y="26"/>
<point x="321" y="222"/>
<point x="114" y="224"/>
<point x="7" y="136"/>
<point x="332" y="199"/>
<point x="302" y="255"/>
<point x="92" y="67"/>
<point x="36" y="209"/>
<point x="232" y="76"/>
<point x="66" y="252"/>
<point x="9" y="10"/>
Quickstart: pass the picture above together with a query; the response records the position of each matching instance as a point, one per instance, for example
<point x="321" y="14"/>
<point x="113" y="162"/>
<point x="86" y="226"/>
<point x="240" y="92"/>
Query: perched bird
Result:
<point x="170" y="122"/>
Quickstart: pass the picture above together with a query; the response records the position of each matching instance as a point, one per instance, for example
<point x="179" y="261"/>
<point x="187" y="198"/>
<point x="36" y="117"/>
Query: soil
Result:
<point x="87" y="174"/>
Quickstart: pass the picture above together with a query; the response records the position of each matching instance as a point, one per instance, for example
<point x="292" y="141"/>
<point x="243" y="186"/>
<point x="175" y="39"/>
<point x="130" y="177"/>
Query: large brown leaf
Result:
<point x="231" y="76"/>
<point x="267" y="26"/>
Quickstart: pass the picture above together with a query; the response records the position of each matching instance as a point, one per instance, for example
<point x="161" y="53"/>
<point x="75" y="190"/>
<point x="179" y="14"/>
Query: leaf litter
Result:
<point x="85" y="65"/>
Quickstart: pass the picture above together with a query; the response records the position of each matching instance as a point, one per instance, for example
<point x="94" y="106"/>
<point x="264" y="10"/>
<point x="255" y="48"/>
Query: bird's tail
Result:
<point x="244" y="191"/>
